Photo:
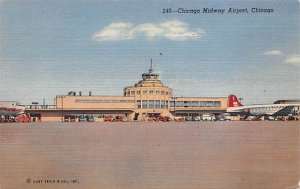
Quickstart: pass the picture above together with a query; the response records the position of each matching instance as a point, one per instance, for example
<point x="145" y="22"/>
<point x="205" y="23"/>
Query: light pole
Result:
<point x="174" y="100"/>
<point x="62" y="108"/>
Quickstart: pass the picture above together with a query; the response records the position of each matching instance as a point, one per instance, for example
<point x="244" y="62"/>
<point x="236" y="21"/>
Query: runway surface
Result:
<point x="148" y="155"/>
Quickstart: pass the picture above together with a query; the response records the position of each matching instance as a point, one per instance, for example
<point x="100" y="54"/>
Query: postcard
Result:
<point x="149" y="94"/>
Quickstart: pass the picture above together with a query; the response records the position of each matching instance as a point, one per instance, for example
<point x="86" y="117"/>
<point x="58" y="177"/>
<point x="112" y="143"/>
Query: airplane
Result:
<point x="236" y="108"/>
<point x="10" y="109"/>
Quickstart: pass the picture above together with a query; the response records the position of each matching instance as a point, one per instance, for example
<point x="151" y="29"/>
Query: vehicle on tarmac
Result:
<point x="161" y="118"/>
<point x="23" y="118"/>
<point x="223" y="117"/>
<point x="208" y="117"/>
<point x="70" y="118"/>
<point x="108" y="118"/>
<point x="193" y="118"/>
<point x="119" y="119"/>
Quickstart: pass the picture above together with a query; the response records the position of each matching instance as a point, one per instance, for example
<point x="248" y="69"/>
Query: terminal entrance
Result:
<point x="35" y="117"/>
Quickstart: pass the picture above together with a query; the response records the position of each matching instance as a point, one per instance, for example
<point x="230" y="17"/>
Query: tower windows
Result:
<point x="151" y="103"/>
<point x="138" y="104"/>
<point x="157" y="103"/>
<point x="144" y="104"/>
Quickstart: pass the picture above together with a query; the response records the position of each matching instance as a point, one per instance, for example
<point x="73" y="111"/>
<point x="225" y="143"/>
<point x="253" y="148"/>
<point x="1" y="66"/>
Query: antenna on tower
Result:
<point x="150" y="70"/>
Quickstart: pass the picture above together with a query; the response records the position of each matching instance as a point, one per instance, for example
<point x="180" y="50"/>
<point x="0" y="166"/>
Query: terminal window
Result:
<point x="138" y="103"/>
<point x="179" y="103"/>
<point x="186" y="103"/>
<point x="163" y="104"/>
<point x="151" y="103"/>
<point x="217" y="104"/>
<point x="171" y="103"/>
<point x="157" y="103"/>
<point x="202" y="103"/>
<point x="195" y="103"/>
<point x="210" y="103"/>
<point x="144" y="104"/>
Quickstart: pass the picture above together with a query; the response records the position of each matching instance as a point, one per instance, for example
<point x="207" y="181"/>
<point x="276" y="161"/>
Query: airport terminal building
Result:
<point x="149" y="97"/>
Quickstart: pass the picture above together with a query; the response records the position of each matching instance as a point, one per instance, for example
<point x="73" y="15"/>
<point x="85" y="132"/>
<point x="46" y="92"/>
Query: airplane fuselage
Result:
<point x="10" y="108"/>
<point x="268" y="109"/>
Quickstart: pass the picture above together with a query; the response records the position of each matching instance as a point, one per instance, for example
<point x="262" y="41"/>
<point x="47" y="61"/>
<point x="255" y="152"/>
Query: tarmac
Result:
<point x="142" y="155"/>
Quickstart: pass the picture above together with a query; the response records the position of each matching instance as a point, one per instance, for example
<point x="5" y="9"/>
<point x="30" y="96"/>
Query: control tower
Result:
<point x="150" y="94"/>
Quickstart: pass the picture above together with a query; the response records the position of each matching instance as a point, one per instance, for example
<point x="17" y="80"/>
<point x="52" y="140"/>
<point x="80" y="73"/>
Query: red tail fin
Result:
<point x="233" y="101"/>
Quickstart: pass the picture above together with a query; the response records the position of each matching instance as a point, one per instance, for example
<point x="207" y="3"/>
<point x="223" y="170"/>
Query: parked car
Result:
<point x="193" y="118"/>
<point x="119" y="119"/>
<point x="223" y="117"/>
<point x="90" y="118"/>
<point x="160" y="118"/>
<point x="81" y="118"/>
<point x="208" y="117"/>
<point x="108" y="118"/>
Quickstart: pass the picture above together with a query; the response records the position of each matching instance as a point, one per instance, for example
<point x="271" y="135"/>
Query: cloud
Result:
<point x="115" y="31"/>
<point x="273" y="53"/>
<point x="293" y="59"/>
<point x="173" y="30"/>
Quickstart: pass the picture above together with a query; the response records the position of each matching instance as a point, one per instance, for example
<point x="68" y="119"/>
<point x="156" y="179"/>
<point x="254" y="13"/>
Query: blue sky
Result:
<point x="49" y="48"/>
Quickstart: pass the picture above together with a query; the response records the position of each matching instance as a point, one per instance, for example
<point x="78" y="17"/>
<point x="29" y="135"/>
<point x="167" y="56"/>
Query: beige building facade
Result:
<point x="149" y="97"/>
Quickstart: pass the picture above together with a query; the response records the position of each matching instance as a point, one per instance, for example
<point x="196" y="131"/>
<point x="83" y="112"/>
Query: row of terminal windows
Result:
<point x="104" y="101"/>
<point x="152" y="104"/>
<point x="159" y="103"/>
<point x="195" y="103"/>
<point x="144" y="92"/>
<point x="165" y="104"/>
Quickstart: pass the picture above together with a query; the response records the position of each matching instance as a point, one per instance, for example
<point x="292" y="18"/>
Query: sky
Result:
<point x="51" y="47"/>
